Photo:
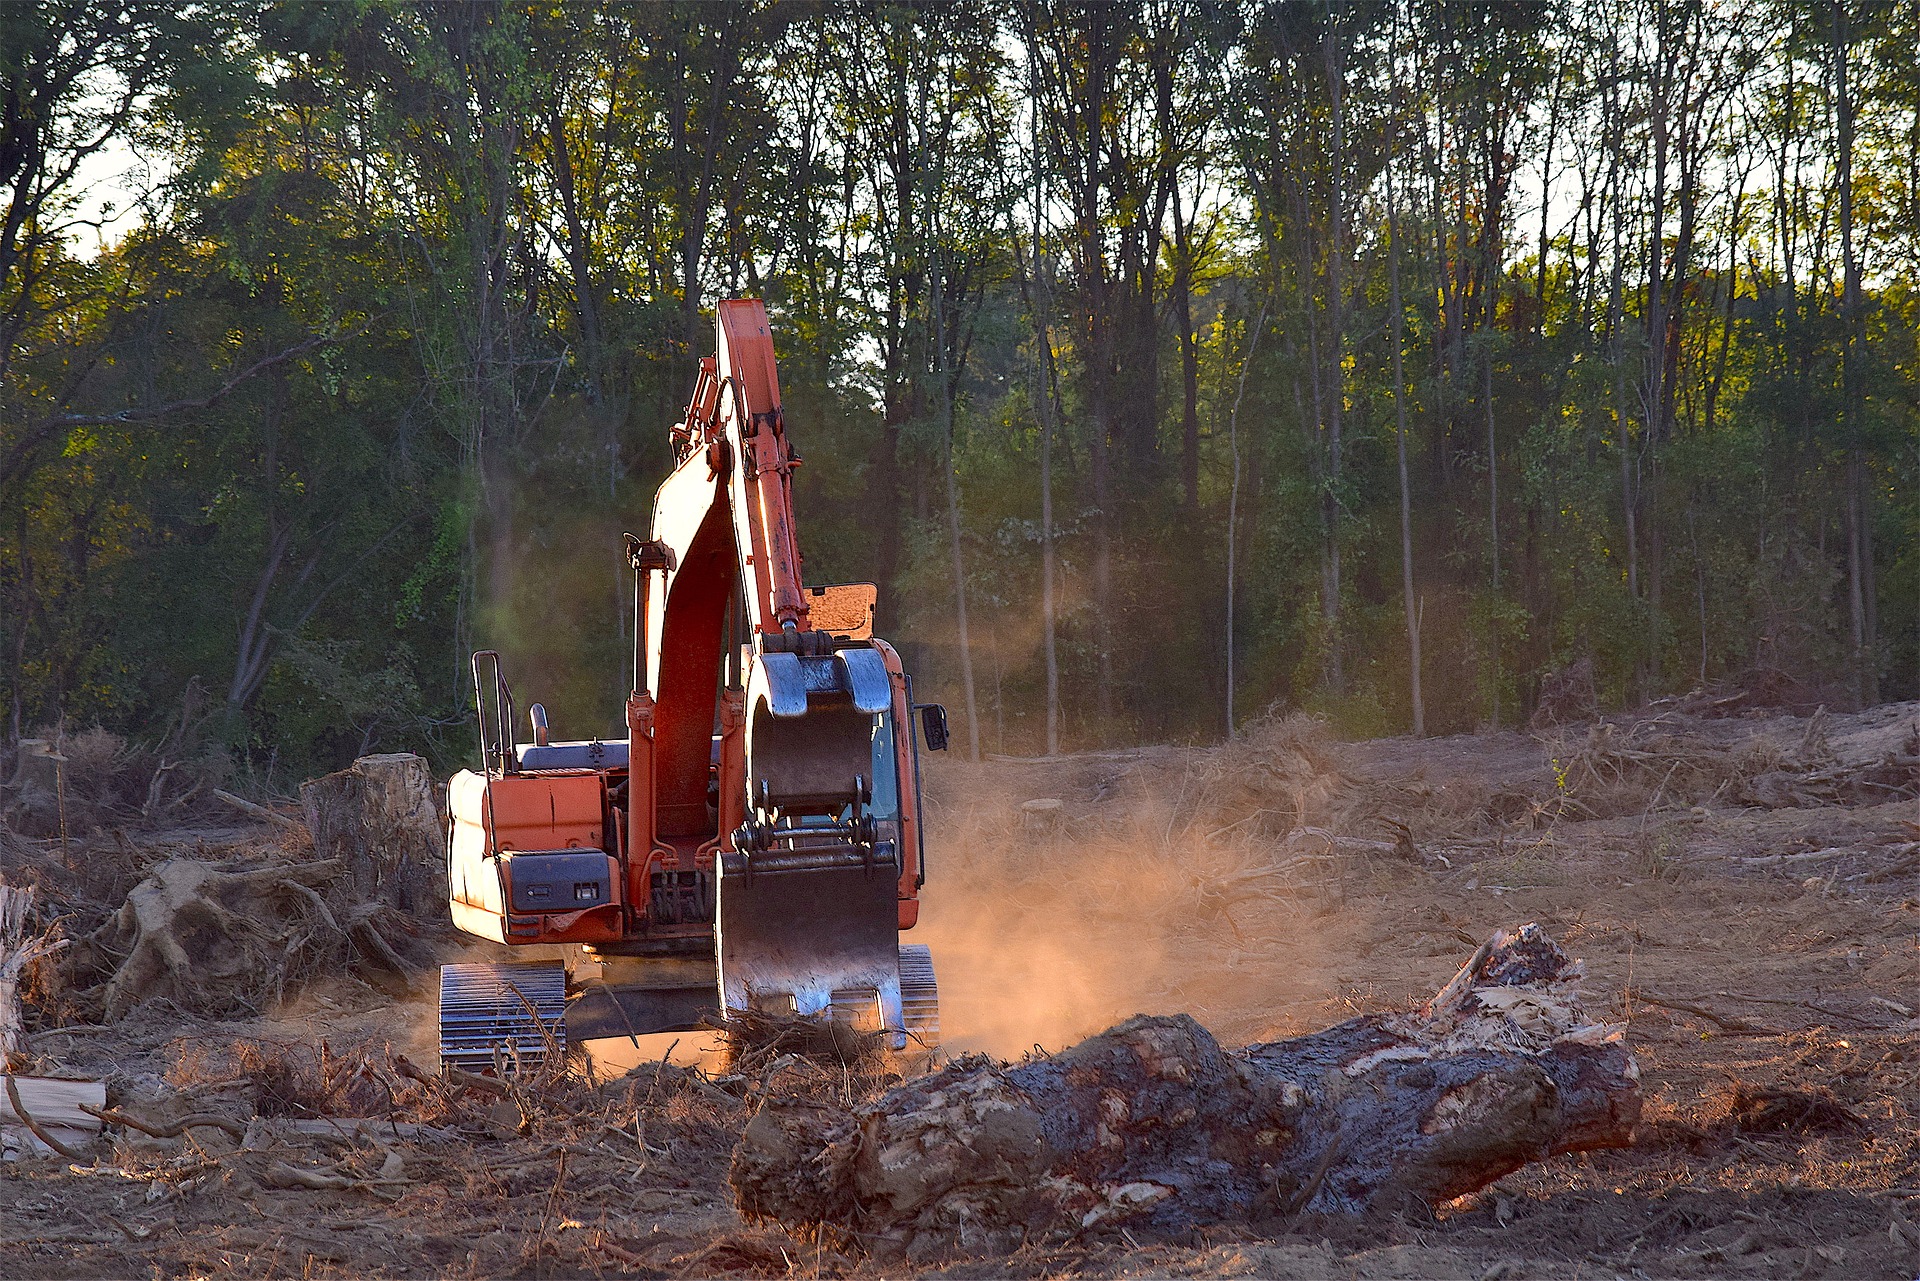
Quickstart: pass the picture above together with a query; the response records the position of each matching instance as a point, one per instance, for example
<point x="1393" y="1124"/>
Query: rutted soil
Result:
<point x="1744" y="890"/>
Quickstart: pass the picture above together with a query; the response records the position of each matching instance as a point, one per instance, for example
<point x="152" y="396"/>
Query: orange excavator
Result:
<point x="755" y="842"/>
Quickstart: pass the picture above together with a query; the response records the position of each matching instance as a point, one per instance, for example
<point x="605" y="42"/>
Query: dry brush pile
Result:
<point x="67" y="784"/>
<point x="1672" y="760"/>
<point x="253" y="1120"/>
<point x="217" y="919"/>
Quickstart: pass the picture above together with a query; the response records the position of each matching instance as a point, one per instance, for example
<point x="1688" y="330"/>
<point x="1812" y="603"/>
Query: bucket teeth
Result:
<point x="510" y="1015"/>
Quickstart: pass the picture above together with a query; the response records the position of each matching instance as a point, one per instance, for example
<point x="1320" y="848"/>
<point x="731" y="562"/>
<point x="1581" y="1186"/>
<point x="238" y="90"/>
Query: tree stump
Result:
<point x="1152" y="1125"/>
<point x="211" y="936"/>
<point x="379" y="818"/>
<point x="1042" y="817"/>
<point x="33" y="805"/>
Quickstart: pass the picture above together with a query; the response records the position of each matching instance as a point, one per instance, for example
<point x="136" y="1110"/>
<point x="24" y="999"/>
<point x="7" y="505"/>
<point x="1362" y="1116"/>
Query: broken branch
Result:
<point x="260" y="812"/>
<point x="168" y="1130"/>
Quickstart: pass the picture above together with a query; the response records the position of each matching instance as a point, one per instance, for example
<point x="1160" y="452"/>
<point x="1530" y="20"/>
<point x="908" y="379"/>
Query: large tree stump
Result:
<point x="1153" y="1125"/>
<point x="226" y="938"/>
<point x="33" y="805"/>
<point x="380" y="820"/>
<point x="212" y="936"/>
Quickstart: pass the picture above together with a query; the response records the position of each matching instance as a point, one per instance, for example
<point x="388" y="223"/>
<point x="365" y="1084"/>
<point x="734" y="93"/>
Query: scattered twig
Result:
<point x="1726" y="1024"/>
<point x="363" y="932"/>
<point x="71" y="1029"/>
<point x="452" y="1075"/>
<point x="313" y="900"/>
<point x="1794" y="860"/>
<point x="554" y="1057"/>
<point x="282" y="1175"/>
<point x="473" y="1080"/>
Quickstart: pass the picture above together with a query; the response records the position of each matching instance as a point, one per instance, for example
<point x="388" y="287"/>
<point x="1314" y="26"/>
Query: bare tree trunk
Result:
<point x="1048" y="573"/>
<point x="1334" y="52"/>
<point x="1044" y="404"/>
<point x="1866" y="682"/>
<point x="22" y="620"/>
<point x="1699" y="589"/>
<point x="693" y="230"/>
<point x="1233" y="499"/>
<point x="1189" y="359"/>
<point x="1614" y="141"/>
<point x="1400" y="445"/>
<point x="1729" y="291"/>
<point x="945" y="367"/>
<point x="1493" y="521"/>
<point x="1099" y="304"/>
<point x="1656" y="386"/>
<point x="1315" y="432"/>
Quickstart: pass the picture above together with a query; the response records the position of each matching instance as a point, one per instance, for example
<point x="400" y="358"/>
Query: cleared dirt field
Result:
<point x="1744" y="890"/>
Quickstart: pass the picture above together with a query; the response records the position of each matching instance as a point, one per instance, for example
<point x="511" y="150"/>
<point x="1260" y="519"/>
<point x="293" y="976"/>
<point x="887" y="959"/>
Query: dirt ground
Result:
<point x="1744" y="890"/>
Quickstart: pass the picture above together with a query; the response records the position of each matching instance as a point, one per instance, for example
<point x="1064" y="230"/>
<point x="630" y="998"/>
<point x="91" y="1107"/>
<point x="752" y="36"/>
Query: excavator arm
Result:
<point x="811" y="845"/>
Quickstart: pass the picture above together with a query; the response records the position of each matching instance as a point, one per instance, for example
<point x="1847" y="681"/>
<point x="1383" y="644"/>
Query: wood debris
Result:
<point x="1154" y="1126"/>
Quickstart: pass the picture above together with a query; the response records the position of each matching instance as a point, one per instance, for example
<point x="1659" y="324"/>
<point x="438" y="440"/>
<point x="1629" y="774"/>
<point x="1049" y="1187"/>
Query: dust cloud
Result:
<point x="1164" y="881"/>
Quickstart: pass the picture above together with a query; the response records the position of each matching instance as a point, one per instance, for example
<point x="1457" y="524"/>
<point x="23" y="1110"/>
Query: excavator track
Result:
<point x="919" y="1003"/>
<point x="502" y="1017"/>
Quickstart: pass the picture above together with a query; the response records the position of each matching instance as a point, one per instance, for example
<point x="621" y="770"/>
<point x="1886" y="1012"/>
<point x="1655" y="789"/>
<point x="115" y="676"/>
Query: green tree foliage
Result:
<point x="372" y="360"/>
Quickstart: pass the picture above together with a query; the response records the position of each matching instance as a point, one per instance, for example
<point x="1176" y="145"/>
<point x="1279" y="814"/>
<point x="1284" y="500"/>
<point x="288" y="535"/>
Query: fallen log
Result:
<point x="1153" y="1126"/>
<point x="260" y="812"/>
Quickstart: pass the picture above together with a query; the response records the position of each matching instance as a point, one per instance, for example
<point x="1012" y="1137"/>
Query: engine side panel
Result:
<point x="547" y="828"/>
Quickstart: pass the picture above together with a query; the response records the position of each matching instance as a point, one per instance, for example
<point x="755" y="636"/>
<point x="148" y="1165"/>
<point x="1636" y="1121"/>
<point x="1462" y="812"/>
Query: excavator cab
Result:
<point x="754" y="843"/>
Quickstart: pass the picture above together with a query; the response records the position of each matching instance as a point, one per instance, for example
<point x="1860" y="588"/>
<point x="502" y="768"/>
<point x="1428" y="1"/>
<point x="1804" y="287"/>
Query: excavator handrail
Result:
<point x="499" y="751"/>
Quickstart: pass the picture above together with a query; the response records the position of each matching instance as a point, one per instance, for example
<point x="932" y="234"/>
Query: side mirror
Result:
<point x="933" y="726"/>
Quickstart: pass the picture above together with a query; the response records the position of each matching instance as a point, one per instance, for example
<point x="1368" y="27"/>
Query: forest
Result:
<point x="1426" y="366"/>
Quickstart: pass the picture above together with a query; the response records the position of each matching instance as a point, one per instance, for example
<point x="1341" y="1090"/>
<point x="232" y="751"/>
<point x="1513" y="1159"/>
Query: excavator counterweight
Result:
<point x="755" y="841"/>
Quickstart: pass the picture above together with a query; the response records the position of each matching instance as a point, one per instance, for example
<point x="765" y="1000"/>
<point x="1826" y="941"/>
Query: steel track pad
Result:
<point x="512" y="1014"/>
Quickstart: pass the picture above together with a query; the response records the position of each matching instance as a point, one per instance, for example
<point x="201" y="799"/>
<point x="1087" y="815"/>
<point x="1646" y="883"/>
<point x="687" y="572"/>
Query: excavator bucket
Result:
<point x="808" y="902"/>
<point x="812" y="940"/>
